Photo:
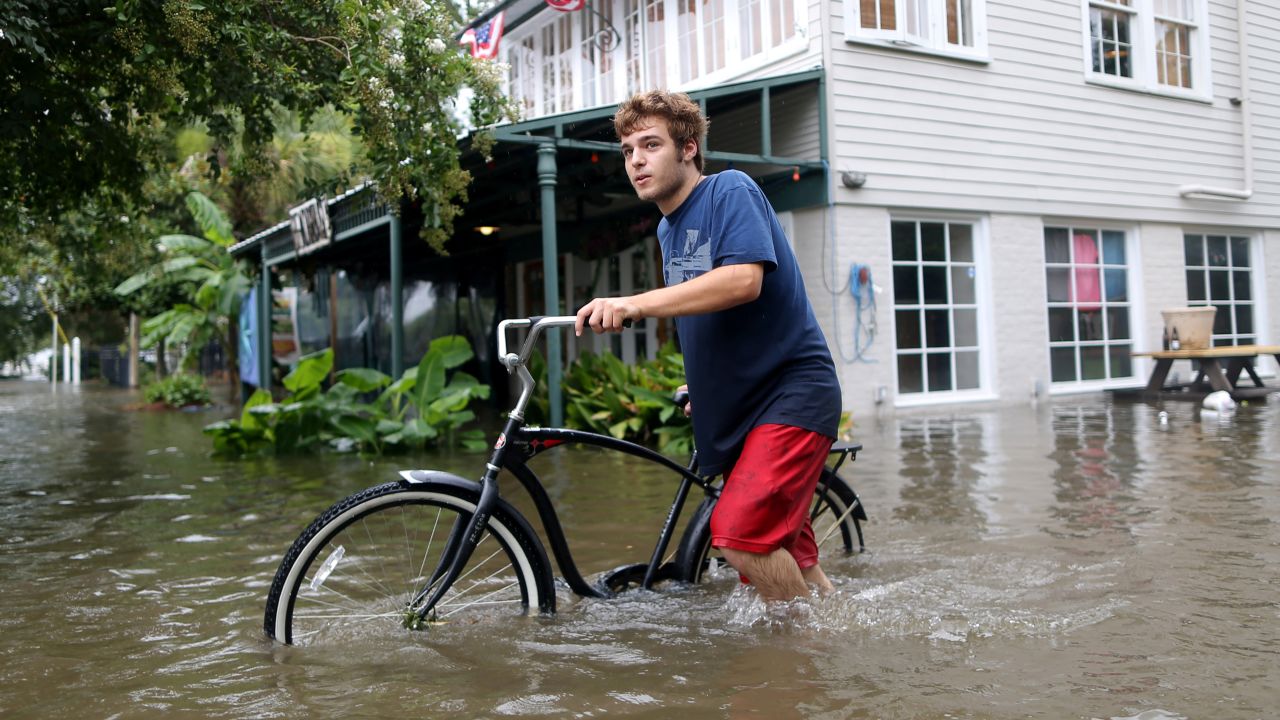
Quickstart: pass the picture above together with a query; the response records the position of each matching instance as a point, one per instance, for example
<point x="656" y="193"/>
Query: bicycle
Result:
<point x="433" y="547"/>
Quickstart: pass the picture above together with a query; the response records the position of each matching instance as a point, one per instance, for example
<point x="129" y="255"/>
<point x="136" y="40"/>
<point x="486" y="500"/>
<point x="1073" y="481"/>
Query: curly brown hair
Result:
<point x="684" y="118"/>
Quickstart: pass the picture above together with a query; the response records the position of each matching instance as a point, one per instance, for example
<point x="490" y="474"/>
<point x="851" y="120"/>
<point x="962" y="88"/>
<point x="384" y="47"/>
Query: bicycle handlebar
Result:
<point x="536" y="325"/>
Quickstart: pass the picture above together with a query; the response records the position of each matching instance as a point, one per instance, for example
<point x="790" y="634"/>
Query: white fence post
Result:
<point x="75" y="360"/>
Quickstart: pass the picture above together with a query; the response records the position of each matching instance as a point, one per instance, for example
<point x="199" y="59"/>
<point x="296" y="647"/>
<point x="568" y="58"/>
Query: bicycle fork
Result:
<point x="463" y="539"/>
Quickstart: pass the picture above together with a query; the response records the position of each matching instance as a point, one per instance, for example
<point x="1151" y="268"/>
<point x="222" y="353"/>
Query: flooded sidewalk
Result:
<point x="1084" y="558"/>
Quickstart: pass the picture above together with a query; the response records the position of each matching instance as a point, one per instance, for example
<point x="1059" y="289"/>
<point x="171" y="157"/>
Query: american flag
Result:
<point x="484" y="39"/>
<point x="566" y="5"/>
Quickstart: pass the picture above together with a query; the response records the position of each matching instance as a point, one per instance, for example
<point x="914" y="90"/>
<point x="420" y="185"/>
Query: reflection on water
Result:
<point x="1078" y="559"/>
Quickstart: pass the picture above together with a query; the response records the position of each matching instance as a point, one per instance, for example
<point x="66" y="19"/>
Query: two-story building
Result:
<point x="1008" y="193"/>
<point x="990" y="200"/>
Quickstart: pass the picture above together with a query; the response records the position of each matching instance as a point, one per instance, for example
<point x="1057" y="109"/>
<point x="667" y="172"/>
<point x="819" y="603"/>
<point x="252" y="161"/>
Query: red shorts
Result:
<point x="766" y="498"/>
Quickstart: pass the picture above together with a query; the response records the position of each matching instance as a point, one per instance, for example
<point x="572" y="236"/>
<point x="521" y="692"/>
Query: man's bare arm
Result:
<point x="720" y="289"/>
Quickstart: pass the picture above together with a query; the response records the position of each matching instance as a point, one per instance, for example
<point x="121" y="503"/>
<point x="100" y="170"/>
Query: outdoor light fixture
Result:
<point x="851" y="179"/>
<point x="487" y="230"/>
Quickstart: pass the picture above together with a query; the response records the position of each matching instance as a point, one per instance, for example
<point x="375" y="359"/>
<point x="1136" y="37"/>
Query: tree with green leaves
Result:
<point x="216" y="285"/>
<point x="88" y="88"/>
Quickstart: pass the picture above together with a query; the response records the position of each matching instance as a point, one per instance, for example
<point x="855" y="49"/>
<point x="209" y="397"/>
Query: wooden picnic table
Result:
<point x="1220" y="368"/>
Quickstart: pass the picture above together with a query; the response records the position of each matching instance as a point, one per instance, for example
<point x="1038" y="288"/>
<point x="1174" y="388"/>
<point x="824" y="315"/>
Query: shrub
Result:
<point x="178" y="391"/>
<point x="427" y="406"/>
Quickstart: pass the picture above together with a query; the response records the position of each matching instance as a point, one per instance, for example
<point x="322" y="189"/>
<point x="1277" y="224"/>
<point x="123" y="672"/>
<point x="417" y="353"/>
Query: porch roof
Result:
<point x="592" y="187"/>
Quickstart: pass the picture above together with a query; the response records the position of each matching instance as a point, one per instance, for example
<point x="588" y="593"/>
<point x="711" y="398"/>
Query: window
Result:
<point x="935" y="306"/>
<point x="523" y="84"/>
<point x="1218" y="274"/>
<point x="598" y="57"/>
<point x="1087" y="286"/>
<point x="561" y="62"/>
<point x="951" y="26"/>
<point x="1157" y="45"/>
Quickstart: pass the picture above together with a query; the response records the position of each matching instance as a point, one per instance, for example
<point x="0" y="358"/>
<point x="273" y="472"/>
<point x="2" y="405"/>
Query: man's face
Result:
<point x="656" y="166"/>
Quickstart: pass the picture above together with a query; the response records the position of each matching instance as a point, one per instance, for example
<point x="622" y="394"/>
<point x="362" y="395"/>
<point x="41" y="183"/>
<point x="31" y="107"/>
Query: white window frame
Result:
<point x="982" y="301"/>
<point x="1137" y="330"/>
<point x="1256" y="302"/>
<point x="734" y="66"/>
<point x="929" y="38"/>
<point x="1142" y="35"/>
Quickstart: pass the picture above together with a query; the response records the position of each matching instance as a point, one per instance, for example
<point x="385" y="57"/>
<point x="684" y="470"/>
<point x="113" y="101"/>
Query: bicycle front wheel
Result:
<point x="358" y="569"/>
<point x="836" y="514"/>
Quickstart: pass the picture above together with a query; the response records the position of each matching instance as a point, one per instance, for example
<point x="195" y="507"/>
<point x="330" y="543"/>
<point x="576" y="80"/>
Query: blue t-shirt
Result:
<point x="759" y="363"/>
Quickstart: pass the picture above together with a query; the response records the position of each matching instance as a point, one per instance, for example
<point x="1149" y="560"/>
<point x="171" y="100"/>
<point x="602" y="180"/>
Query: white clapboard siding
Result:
<point x="795" y="130"/>
<point x="1025" y="133"/>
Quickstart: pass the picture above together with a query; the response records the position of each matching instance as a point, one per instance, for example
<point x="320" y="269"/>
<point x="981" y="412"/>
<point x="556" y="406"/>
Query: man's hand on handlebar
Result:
<point x="681" y="398"/>
<point x="607" y="315"/>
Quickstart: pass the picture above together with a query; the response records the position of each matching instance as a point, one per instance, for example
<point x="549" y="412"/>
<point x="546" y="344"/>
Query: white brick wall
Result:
<point x="1164" y="286"/>
<point x="1021" y="362"/>
<point x="861" y="236"/>
<point x="1271" y="294"/>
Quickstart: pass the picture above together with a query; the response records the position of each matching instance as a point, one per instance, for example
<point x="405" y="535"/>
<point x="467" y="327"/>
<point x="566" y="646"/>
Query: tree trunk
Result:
<point x="162" y="367"/>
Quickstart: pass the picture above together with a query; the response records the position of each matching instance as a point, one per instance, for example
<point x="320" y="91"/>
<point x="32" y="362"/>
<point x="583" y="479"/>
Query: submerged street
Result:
<point x="1078" y="559"/>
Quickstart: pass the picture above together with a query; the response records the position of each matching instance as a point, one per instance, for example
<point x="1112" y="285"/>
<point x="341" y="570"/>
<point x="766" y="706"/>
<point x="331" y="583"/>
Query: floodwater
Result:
<point x="1079" y="559"/>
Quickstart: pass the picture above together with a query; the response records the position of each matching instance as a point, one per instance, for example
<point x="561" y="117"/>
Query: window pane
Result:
<point x="932" y="241"/>
<point x="1240" y="251"/>
<point x="906" y="286"/>
<point x="1242" y="287"/>
<point x="1088" y="287"/>
<point x="1244" y="318"/>
<point x="935" y="284"/>
<point x="877" y="14"/>
<point x="1195" y="286"/>
<point x="1093" y="363"/>
<point x="1056" y="247"/>
<point x="908" y="324"/>
<point x="904" y="241"/>
<point x="1058" y="284"/>
<point x="1112" y="247"/>
<point x="1118" y="323"/>
<point x="966" y="370"/>
<point x="1194" y="247"/>
<point x="1109" y="31"/>
<point x="962" y="285"/>
<point x="910" y="374"/>
<point x="1222" y="321"/>
<point x="1091" y="325"/>
<point x="1062" y="364"/>
<point x="1219" y="285"/>
<point x="1117" y="285"/>
<point x="961" y="243"/>
<point x="1084" y="245"/>
<point x="937" y="328"/>
<point x="966" y="325"/>
<point x="1062" y="326"/>
<point x="1121" y="362"/>
<point x="1217" y="250"/>
<point x="939" y="372"/>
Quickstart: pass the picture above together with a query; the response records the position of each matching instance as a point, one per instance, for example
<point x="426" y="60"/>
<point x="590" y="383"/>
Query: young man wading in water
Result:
<point x="758" y="368"/>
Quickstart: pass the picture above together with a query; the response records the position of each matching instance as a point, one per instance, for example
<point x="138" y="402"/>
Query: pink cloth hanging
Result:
<point x="1088" y="279"/>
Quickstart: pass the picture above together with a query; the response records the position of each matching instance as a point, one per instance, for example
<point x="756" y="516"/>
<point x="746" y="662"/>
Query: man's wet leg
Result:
<point x="775" y="575"/>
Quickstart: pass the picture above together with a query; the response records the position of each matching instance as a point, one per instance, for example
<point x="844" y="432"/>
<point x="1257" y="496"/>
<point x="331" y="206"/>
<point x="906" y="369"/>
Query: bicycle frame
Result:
<point x="527" y="442"/>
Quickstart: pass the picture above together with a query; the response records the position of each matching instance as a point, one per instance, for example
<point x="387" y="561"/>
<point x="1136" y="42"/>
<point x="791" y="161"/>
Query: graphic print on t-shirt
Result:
<point x="692" y="260"/>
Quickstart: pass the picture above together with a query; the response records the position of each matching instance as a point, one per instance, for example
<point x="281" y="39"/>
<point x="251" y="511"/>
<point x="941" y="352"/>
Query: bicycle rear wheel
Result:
<point x="836" y="514"/>
<point x="357" y="568"/>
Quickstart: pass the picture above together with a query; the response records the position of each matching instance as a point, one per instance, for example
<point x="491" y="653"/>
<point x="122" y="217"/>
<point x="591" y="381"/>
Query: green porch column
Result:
<point x="264" y="324"/>
<point x="397" y="301"/>
<point x="551" y="275"/>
